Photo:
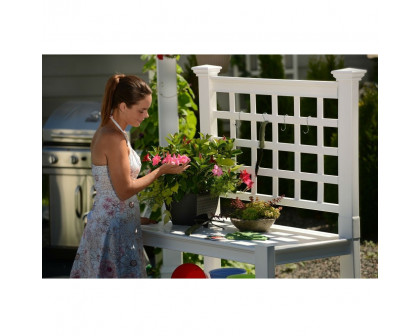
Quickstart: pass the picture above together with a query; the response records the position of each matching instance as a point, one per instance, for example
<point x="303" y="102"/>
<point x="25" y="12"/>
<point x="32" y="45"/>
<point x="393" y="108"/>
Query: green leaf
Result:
<point x="182" y="114"/>
<point x="166" y="216"/>
<point x="225" y="162"/>
<point x="175" y="188"/>
<point x="235" y="168"/>
<point x="150" y="64"/>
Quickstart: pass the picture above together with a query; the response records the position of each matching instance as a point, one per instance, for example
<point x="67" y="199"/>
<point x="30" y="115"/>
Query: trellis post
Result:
<point x="167" y="98"/>
<point x="208" y="122"/>
<point x="207" y="96"/>
<point x="168" y="123"/>
<point x="348" y="167"/>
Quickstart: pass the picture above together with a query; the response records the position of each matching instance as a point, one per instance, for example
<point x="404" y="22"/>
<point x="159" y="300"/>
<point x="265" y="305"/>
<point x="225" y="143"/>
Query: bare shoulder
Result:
<point x="104" y="141"/>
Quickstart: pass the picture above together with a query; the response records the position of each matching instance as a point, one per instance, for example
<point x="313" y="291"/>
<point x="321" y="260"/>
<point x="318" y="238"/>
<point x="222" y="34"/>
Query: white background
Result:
<point x="32" y="305"/>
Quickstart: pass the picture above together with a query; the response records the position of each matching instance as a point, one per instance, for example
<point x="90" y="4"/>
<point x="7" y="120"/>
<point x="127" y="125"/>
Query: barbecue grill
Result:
<point x="66" y="165"/>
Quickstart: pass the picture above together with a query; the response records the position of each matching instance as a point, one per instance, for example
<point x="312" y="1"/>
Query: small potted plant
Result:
<point x="256" y="215"/>
<point x="213" y="172"/>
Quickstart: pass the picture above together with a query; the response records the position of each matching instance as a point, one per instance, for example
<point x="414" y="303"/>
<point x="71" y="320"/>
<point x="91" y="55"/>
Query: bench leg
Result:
<point x="350" y="264"/>
<point x="211" y="263"/>
<point x="264" y="262"/>
<point x="171" y="260"/>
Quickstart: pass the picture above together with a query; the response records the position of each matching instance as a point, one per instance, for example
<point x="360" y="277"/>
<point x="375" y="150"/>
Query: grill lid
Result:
<point x="73" y="121"/>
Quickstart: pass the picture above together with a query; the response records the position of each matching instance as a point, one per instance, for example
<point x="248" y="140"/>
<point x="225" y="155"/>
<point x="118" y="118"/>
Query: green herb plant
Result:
<point x="256" y="209"/>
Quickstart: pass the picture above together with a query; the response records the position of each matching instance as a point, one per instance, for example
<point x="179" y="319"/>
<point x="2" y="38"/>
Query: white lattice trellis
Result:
<point x="345" y="91"/>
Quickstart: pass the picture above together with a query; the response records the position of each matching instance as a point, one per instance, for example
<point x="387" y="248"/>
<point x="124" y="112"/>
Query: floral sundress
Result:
<point x="111" y="245"/>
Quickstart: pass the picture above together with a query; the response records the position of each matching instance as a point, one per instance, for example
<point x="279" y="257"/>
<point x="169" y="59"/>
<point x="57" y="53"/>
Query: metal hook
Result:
<point x="264" y="114"/>
<point x="284" y="123"/>
<point x="236" y="121"/>
<point x="307" y="126"/>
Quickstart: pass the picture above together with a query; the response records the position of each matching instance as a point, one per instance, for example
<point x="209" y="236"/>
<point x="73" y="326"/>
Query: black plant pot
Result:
<point x="190" y="206"/>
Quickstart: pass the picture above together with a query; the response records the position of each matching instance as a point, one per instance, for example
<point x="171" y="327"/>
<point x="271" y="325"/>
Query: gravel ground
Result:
<point x="330" y="267"/>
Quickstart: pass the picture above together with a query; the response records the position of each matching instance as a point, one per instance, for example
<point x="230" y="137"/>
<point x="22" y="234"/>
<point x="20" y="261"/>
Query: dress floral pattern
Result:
<point x="111" y="245"/>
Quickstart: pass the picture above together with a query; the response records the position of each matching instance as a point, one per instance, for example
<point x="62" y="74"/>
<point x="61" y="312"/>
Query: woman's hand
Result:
<point x="168" y="168"/>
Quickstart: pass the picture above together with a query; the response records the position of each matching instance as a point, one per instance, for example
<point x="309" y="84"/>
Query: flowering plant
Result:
<point x="213" y="170"/>
<point x="256" y="209"/>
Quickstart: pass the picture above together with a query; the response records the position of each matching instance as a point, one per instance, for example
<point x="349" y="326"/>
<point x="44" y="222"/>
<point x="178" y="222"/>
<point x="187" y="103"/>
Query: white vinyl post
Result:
<point x="207" y="97"/>
<point x="167" y="91"/>
<point x="168" y="123"/>
<point x="348" y="167"/>
<point x="208" y="122"/>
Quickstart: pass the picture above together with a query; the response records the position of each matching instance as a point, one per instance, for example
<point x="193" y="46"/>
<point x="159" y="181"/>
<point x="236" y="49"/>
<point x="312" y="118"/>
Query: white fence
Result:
<point x="345" y="89"/>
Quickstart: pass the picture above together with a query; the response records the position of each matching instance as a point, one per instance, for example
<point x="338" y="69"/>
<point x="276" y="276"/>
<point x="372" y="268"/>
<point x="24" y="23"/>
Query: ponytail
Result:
<point x="122" y="89"/>
<point x="107" y="100"/>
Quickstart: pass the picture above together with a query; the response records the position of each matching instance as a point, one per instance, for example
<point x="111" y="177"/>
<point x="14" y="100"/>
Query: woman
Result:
<point x="111" y="245"/>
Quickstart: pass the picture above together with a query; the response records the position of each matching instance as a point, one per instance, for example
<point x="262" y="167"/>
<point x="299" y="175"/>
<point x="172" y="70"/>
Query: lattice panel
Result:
<point x="286" y="152"/>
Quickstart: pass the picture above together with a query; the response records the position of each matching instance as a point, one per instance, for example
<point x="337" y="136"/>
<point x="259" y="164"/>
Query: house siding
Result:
<point x="81" y="77"/>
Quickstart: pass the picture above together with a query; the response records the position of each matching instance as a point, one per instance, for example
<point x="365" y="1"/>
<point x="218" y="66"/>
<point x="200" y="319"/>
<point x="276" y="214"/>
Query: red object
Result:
<point x="246" y="178"/>
<point x="244" y="175"/>
<point x="188" y="270"/>
<point x="147" y="158"/>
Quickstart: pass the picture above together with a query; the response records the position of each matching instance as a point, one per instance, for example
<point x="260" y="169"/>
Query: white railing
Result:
<point x="345" y="89"/>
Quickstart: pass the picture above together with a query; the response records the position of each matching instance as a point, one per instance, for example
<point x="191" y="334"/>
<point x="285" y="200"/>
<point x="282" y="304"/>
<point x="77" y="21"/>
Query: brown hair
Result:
<point x="122" y="89"/>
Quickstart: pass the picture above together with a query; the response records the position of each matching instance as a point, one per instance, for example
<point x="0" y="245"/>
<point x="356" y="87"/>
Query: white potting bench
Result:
<point x="286" y="244"/>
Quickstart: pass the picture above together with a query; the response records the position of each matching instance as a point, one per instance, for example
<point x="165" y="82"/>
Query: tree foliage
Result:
<point x="368" y="161"/>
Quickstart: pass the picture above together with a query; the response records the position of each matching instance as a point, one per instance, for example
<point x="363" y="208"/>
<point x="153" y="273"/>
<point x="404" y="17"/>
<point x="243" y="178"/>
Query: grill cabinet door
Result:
<point x="68" y="203"/>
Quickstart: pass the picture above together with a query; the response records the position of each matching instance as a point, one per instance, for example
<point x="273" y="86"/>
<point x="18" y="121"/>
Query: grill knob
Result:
<point x="52" y="159"/>
<point x="74" y="159"/>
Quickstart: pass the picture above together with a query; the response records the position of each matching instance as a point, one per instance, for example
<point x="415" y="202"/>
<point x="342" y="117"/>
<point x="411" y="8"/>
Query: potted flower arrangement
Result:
<point x="255" y="215"/>
<point x="213" y="172"/>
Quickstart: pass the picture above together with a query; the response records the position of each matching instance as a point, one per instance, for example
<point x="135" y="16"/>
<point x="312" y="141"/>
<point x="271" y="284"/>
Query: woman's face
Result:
<point x="138" y="112"/>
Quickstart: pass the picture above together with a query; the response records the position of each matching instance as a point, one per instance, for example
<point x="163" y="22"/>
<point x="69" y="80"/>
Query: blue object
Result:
<point x="223" y="273"/>
<point x="241" y="276"/>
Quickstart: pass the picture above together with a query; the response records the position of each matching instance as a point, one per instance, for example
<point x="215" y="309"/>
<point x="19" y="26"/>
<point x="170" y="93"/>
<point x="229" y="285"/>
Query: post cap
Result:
<point x="206" y="70"/>
<point x="348" y="73"/>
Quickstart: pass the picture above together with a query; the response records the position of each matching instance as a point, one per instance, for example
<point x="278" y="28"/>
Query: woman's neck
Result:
<point x="117" y="117"/>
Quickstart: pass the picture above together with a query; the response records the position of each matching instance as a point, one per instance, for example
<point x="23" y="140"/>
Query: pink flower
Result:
<point x="217" y="171"/>
<point x="167" y="159"/>
<point x="184" y="159"/>
<point x="156" y="159"/>
<point x="249" y="184"/>
<point x="244" y="175"/>
<point x="246" y="178"/>
<point x="176" y="159"/>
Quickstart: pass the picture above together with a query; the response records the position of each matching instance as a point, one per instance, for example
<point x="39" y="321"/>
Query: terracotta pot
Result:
<point x="255" y="225"/>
